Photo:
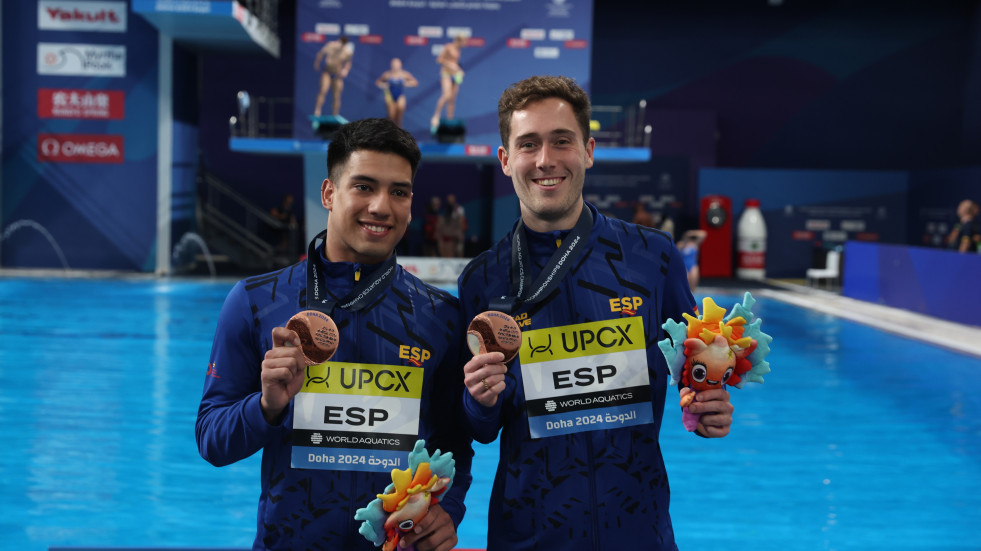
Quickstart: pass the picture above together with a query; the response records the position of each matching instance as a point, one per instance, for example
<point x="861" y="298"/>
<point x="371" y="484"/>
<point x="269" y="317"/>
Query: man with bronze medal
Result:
<point x="578" y="411"/>
<point x="334" y="367"/>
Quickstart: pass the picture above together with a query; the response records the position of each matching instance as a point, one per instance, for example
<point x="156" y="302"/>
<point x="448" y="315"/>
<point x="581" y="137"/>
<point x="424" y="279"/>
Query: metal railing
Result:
<point x="619" y="126"/>
<point x="262" y="117"/>
<point x="227" y="213"/>
<point x="266" y="10"/>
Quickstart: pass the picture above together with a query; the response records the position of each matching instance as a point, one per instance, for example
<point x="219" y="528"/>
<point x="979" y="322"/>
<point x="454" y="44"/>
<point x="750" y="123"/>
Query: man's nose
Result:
<point x="380" y="204"/>
<point x="544" y="157"/>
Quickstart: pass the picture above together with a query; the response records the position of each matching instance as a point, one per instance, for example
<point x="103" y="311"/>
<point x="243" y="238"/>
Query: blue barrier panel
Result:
<point x="935" y="282"/>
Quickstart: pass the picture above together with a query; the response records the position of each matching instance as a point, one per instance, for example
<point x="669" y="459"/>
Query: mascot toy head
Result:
<point x="716" y="349"/>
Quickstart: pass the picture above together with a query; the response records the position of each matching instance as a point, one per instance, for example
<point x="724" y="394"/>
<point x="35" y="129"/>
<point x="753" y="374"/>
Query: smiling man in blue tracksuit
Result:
<point x="331" y="433"/>
<point x="579" y="411"/>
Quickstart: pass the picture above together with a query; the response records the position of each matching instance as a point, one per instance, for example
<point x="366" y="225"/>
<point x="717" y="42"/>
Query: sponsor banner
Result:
<point x="81" y="59"/>
<point x="546" y="52"/>
<point x="80" y="148"/>
<point x="63" y="15"/>
<point x="313" y="37"/>
<point x="533" y="34"/>
<point x="561" y="35"/>
<point x="434" y="270"/>
<point x="431" y="32"/>
<point x="187" y="6"/>
<point x="327" y="28"/>
<point x="60" y="103"/>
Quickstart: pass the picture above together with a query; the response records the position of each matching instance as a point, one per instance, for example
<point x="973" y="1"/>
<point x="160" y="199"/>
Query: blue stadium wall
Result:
<point x="877" y="91"/>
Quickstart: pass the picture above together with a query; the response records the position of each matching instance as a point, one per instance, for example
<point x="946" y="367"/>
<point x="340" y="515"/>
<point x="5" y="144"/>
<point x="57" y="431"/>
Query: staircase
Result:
<point x="241" y="235"/>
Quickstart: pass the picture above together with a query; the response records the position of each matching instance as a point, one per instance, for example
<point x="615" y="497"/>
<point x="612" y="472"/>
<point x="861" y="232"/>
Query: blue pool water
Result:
<point x="858" y="439"/>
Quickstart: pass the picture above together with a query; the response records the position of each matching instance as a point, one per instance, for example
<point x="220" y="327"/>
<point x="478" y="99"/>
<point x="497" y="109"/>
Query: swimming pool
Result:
<point x="859" y="439"/>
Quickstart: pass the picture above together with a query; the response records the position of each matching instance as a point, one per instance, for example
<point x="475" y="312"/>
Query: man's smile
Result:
<point x="547" y="182"/>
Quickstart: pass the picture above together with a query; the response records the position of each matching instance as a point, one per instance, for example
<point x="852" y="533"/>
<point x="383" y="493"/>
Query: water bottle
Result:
<point x="751" y="242"/>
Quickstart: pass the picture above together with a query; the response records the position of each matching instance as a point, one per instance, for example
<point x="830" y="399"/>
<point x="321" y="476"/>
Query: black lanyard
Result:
<point x="363" y="294"/>
<point x="558" y="265"/>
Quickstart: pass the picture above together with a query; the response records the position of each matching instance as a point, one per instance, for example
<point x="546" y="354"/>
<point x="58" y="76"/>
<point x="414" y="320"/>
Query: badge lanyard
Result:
<point x="363" y="293"/>
<point x="558" y="265"/>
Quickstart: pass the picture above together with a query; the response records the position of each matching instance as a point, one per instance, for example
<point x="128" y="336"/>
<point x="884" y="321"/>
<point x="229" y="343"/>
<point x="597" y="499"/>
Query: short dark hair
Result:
<point x="381" y="135"/>
<point x="517" y="97"/>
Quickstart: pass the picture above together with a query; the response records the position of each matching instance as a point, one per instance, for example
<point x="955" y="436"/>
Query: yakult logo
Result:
<point x="80" y="148"/>
<point x="61" y="15"/>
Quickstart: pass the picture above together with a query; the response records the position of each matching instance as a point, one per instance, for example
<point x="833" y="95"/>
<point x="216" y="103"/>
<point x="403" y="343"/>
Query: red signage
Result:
<point x="312" y="37"/>
<point x="518" y="43"/>
<point x="370" y="39"/>
<point x="413" y="40"/>
<point x="477" y="150"/>
<point x="476" y="42"/>
<point x="60" y="103"/>
<point x="577" y="44"/>
<point x="80" y="148"/>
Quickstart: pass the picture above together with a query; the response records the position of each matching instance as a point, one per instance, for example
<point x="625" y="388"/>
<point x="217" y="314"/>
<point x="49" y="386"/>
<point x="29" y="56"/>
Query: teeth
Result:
<point x="375" y="228"/>
<point x="549" y="182"/>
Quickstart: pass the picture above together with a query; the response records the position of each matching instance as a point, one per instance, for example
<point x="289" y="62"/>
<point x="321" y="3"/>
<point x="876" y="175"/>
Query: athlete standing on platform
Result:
<point x="393" y="82"/>
<point x="579" y="411"/>
<point x="392" y="379"/>
<point x="337" y="56"/>
<point x="450" y="79"/>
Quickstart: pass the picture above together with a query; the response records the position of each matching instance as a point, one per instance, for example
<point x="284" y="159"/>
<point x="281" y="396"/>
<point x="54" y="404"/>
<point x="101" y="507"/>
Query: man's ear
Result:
<point x="502" y="155"/>
<point x="327" y="194"/>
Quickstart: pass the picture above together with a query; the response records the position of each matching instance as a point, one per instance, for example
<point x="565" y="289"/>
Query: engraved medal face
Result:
<point x="494" y="331"/>
<point x="318" y="335"/>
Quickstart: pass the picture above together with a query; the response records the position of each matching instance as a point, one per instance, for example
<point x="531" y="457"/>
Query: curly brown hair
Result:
<point x="520" y="94"/>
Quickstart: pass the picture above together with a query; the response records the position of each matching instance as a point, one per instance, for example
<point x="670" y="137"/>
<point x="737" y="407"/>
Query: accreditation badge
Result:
<point x="587" y="376"/>
<point x="356" y="417"/>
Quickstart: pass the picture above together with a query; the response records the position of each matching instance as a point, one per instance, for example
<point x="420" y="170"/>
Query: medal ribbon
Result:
<point x="363" y="293"/>
<point x="555" y="270"/>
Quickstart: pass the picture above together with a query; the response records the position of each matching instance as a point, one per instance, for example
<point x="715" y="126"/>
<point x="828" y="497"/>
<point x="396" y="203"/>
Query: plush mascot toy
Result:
<point x="712" y="351"/>
<point x="408" y="498"/>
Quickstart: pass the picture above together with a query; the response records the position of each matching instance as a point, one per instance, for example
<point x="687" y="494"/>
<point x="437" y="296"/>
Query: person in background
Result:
<point x="641" y="216"/>
<point x="574" y="278"/>
<point x="393" y="82"/>
<point x="966" y="235"/>
<point x="689" y="245"/>
<point x="283" y="213"/>
<point x="389" y="323"/>
<point x="430" y="227"/>
<point x="450" y="79"/>
<point x="452" y="229"/>
<point x="337" y="55"/>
